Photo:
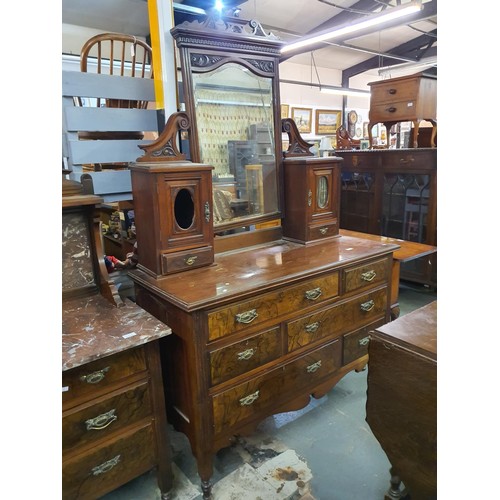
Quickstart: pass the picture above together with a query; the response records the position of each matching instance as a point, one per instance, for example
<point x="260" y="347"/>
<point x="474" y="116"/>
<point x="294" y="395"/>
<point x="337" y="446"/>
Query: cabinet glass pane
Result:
<point x="322" y="192"/>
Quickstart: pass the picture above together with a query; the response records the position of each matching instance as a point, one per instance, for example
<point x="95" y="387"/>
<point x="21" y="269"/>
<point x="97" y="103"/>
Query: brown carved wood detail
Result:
<point x="297" y="145"/>
<point x="165" y="147"/>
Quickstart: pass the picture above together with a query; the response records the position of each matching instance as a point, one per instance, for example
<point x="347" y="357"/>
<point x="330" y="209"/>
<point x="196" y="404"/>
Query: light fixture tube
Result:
<point x="385" y="16"/>
<point x="348" y="92"/>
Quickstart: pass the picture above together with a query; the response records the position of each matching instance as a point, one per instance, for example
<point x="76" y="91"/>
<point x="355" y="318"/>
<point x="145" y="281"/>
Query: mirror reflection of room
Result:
<point x="235" y="119"/>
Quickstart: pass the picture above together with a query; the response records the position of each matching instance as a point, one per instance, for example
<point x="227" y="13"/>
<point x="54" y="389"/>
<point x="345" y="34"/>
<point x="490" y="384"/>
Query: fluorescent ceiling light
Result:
<point x="409" y="66"/>
<point x="342" y="91"/>
<point x="388" y="14"/>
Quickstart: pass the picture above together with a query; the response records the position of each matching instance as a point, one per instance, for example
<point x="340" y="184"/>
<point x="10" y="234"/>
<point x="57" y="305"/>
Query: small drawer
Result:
<point x="340" y="317"/>
<point x="87" y="424"/>
<point x="366" y="275"/>
<point x="309" y="369"/>
<point x="182" y="261"/>
<point x="320" y="231"/>
<point x="272" y="305"/>
<point x="403" y="160"/>
<point x="96" y="376"/>
<point x="356" y="343"/>
<point x="245" y="400"/>
<point x="244" y="356"/>
<point x="92" y="474"/>
<point x="394" y="91"/>
<point x="393" y="111"/>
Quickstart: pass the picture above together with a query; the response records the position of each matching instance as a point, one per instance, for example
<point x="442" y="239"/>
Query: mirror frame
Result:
<point x="206" y="46"/>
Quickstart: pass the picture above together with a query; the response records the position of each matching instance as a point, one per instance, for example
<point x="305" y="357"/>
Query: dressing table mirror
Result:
<point x="231" y="89"/>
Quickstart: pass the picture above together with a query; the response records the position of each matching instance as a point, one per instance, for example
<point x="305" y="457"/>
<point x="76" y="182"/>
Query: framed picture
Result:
<point x="364" y="144"/>
<point x="327" y="121"/>
<point x="302" y="117"/>
<point x="285" y="109"/>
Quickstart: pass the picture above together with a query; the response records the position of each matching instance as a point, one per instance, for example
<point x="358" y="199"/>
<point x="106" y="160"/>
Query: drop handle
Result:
<point x="101" y="421"/>
<point x="247" y="316"/>
<point x="364" y="341"/>
<point x="106" y="466"/>
<point x="248" y="400"/>
<point x="247" y="354"/>
<point x="314" y="367"/>
<point x="367" y="306"/>
<point x="190" y="260"/>
<point x="95" y="377"/>
<point x="312" y="327"/>
<point x="369" y="275"/>
<point x="313" y="294"/>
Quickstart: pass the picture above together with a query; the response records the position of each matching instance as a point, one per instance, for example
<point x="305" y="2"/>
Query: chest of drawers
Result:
<point x="113" y="408"/>
<point x="262" y="330"/>
<point x="407" y="98"/>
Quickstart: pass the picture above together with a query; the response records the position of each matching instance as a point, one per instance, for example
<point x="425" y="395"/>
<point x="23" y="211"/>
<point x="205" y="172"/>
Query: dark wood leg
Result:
<point x="395" y="312"/>
<point x="206" y="488"/>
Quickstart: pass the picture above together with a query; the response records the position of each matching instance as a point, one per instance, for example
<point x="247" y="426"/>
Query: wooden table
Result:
<point x="408" y="250"/>
<point x="402" y="400"/>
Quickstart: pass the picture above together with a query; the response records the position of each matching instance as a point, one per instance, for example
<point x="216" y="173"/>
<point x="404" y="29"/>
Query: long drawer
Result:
<point x="271" y="305"/>
<point x="99" y="375"/>
<point x="393" y="111"/>
<point x="86" y="424"/>
<point x="394" y="91"/>
<point x="245" y="400"/>
<point x="90" y="475"/>
<point x="334" y="320"/>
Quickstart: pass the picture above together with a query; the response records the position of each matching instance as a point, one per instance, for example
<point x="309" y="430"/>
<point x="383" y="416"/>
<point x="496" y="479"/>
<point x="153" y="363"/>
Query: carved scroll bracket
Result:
<point x="298" y="146"/>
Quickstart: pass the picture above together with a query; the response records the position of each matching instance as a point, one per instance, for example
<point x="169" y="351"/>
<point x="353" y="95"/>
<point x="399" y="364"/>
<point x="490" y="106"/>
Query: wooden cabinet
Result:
<point x="402" y="400"/>
<point x="113" y="404"/>
<point x="312" y="194"/>
<point x="261" y="330"/>
<point x="407" y="98"/>
<point x="393" y="193"/>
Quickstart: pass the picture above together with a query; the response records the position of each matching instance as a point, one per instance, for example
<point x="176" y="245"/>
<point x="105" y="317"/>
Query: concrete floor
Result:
<point x="326" y="451"/>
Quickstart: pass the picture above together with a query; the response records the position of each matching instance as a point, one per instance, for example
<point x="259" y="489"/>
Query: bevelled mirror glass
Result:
<point x="231" y="93"/>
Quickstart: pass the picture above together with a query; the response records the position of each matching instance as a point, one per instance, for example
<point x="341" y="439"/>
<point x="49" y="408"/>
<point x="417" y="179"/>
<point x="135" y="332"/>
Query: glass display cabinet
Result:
<point x="231" y="88"/>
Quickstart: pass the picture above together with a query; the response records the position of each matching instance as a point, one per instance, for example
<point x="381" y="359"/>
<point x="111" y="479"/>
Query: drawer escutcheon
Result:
<point x="106" y="466"/>
<point x="246" y="317"/>
<point x="101" y="421"/>
<point x="248" y="400"/>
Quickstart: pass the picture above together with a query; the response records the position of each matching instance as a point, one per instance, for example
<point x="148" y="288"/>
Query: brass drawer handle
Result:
<point x="364" y="341"/>
<point x="392" y="109"/>
<point x="323" y="230"/>
<point x="106" y="466"/>
<point x="312" y="327"/>
<point x="244" y="355"/>
<point x="314" y="367"/>
<point x="313" y="294"/>
<point x="247" y="316"/>
<point x="101" y="421"/>
<point x="248" y="400"/>
<point x="95" y="377"/>
<point x="369" y="275"/>
<point x="367" y="306"/>
<point x="405" y="161"/>
<point x="191" y="260"/>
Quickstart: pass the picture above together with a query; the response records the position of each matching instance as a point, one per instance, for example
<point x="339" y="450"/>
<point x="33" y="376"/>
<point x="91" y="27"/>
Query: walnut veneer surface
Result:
<point x="262" y="329"/>
<point x="402" y="399"/>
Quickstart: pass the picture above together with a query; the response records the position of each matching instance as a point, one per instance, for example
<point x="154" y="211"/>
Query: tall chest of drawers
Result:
<point x="262" y="330"/>
<point x="114" y="425"/>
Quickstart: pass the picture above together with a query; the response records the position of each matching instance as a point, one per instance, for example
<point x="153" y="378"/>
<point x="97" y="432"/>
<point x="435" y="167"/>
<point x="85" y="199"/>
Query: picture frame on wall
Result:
<point x="285" y="110"/>
<point x="327" y="121"/>
<point x="302" y="117"/>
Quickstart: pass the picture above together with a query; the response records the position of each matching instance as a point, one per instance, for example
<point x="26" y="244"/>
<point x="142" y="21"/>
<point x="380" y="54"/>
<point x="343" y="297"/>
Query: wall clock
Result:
<point x="352" y="118"/>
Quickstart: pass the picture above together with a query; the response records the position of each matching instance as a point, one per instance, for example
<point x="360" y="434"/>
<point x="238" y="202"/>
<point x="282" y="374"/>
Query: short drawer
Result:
<point x="271" y="306"/>
<point x="393" y="111"/>
<point x="336" y="319"/>
<point x="356" y="343"/>
<point x="90" y="475"/>
<point x="312" y="367"/>
<point x="366" y="275"/>
<point x="394" y="91"/>
<point x="85" y="380"/>
<point x="89" y="423"/>
<point x="182" y="261"/>
<point x="408" y="159"/>
<point x="233" y="360"/>
<point x="320" y="231"/>
<point x="245" y="400"/>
